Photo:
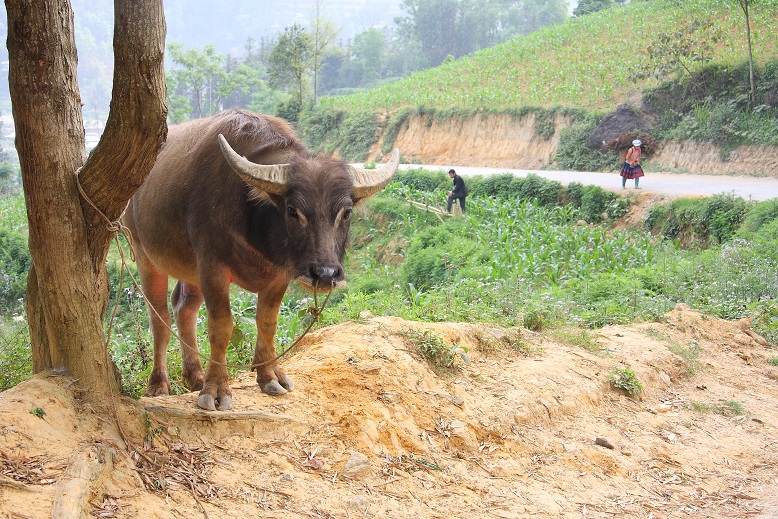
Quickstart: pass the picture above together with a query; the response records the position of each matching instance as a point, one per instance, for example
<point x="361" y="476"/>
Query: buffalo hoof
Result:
<point x="208" y="403"/>
<point x="273" y="388"/>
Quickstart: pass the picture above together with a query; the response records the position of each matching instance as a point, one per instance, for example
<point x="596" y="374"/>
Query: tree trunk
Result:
<point x="750" y="55"/>
<point x="68" y="239"/>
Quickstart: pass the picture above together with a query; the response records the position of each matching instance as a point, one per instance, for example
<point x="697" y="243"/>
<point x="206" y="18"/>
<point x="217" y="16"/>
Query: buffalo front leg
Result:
<point x="187" y="300"/>
<point x="271" y="378"/>
<point x="154" y="284"/>
<point x="216" y="391"/>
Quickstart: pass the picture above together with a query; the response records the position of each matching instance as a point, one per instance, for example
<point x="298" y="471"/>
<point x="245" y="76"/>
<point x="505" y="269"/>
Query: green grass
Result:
<point x="510" y="261"/>
<point x="584" y="62"/>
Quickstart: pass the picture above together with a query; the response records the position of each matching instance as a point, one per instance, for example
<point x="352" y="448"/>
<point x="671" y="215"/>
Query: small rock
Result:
<point x="626" y="450"/>
<point x="456" y="400"/>
<point x="366" y="314"/>
<point x="358" y="503"/>
<point x="602" y="441"/>
<point x="665" y="378"/>
<point x="357" y="466"/>
<point x="287" y="477"/>
<point x="569" y="448"/>
<point x="390" y="397"/>
<point x="369" y="368"/>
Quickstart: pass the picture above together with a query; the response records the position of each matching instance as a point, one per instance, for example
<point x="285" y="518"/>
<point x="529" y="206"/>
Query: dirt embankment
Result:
<point x="510" y="142"/>
<point x="530" y="427"/>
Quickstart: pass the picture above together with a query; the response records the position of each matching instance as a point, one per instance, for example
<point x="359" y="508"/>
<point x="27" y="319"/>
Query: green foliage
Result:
<point x="433" y="347"/>
<point x="199" y="81"/>
<point x="559" y="66"/>
<point x="678" y="50"/>
<point x="592" y="6"/>
<point x="290" y="61"/>
<point x="626" y="379"/>
<point x="733" y="408"/>
<point x="393" y="127"/>
<point x="505" y="185"/>
<point x="15" y="351"/>
<point x="356" y="135"/>
<point x="15" y="261"/>
<point x="594" y="203"/>
<point x="573" y="154"/>
<point x="697" y="221"/>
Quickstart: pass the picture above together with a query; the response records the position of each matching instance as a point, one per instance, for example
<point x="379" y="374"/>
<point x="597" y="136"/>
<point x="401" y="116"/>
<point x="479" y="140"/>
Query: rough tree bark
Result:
<point x="69" y="241"/>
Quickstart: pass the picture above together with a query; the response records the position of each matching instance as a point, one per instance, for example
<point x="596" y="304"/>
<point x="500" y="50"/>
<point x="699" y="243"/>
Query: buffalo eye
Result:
<point x="292" y="213"/>
<point x="347" y="214"/>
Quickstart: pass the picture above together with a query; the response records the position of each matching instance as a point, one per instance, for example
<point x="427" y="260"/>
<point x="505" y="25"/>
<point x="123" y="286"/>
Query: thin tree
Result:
<point x="69" y="235"/>
<point x="745" y="5"/>
<point x="323" y="33"/>
<point x="290" y="61"/>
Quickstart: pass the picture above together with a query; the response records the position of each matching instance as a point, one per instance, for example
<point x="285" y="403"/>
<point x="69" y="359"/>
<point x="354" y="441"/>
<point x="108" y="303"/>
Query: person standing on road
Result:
<point x="631" y="167"/>
<point x="460" y="191"/>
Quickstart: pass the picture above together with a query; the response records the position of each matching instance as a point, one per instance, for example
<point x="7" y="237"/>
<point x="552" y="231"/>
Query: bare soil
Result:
<point x="530" y="427"/>
<point x="505" y="141"/>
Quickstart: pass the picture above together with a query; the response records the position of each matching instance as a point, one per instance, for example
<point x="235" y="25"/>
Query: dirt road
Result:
<point x="664" y="183"/>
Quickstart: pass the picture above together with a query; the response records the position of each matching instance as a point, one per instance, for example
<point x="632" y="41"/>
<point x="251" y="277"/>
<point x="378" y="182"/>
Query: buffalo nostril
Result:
<point x="324" y="275"/>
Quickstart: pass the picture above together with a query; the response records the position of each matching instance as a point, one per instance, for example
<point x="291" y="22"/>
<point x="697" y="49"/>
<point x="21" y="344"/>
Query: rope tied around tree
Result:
<point x="117" y="227"/>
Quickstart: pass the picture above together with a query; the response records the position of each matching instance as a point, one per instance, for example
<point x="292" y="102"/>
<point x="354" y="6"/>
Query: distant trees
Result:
<point x="196" y="87"/>
<point x="290" y="62"/>
<point x="287" y="73"/>
<point x="458" y="27"/>
<point x="592" y="6"/>
<point x="323" y="34"/>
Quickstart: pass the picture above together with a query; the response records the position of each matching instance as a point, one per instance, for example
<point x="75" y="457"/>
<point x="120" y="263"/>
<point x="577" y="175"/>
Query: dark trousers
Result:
<point x="451" y="199"/>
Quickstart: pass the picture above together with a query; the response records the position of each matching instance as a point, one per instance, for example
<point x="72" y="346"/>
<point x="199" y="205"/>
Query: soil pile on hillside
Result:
<point x="529" y="427"/>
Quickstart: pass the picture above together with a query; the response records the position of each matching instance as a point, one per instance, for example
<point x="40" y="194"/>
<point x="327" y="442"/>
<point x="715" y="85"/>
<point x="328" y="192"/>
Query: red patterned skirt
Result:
<point x="631" y="172"/>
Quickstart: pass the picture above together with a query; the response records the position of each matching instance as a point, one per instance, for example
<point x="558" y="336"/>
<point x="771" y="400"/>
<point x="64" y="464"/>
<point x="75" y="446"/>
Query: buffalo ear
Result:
<point x="368" y="182"/>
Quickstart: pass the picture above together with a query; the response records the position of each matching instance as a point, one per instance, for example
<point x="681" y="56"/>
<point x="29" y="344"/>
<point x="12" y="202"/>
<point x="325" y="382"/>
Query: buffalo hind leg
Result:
<point x="154" y="284"/>
<point x="187" y="300"/>
<point x="272" y="379"/>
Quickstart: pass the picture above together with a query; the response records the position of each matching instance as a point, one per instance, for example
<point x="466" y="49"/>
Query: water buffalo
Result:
<point x="236" y="198"/>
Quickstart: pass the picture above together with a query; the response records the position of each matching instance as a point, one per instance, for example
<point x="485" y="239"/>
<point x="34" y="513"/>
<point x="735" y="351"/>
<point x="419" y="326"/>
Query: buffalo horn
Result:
<point x="368" y="182"/>
<point x="272" y="178"/>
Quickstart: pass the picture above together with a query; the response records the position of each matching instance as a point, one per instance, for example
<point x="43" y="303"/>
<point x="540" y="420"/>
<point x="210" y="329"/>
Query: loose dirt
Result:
<point x="530" y="427"/>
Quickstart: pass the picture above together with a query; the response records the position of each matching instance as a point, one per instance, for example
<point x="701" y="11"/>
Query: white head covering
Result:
<point x="636" y="142"/>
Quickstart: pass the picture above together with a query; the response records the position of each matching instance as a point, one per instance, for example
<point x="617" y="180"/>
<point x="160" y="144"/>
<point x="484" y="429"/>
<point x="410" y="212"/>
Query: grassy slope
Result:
<point x="562" y="66"/>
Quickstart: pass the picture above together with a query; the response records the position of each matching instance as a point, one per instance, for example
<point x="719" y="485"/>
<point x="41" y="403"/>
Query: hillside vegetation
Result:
<point x="681" y="68"/>
<point x="582" y="63"/>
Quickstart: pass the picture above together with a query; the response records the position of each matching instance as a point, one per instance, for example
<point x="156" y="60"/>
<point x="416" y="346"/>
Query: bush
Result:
<point x="573" y="153"/>
<point x="626" y="379"/>
<point x="15" y="352"/>
<point x="357" y="133"/>
<point x="15" y="262"/>
<point x="696" y="221"/>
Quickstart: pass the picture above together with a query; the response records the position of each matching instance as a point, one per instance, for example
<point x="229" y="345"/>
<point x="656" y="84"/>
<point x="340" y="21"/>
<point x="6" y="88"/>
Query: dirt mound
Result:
<point x="529" y="427"/>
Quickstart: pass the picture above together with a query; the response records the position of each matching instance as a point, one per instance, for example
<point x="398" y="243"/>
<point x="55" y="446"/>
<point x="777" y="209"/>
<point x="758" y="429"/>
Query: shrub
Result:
<point x="15" y="262"/>
<point x="393" y="127"/>
<point x="357" y="133"/>
<point x="15" y="352"/>
<point x="626" y="379"/>
<point x="573" y="153"/>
